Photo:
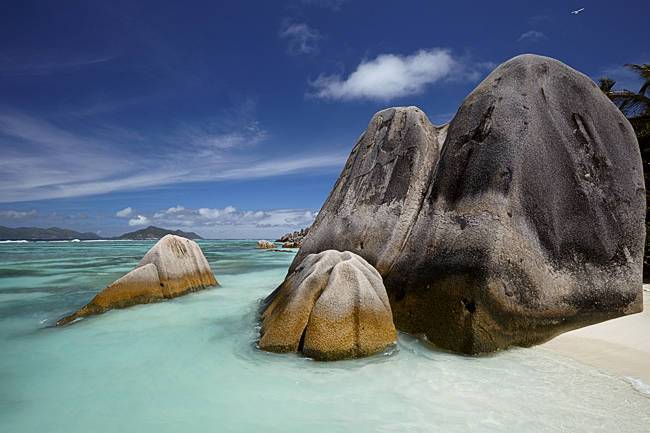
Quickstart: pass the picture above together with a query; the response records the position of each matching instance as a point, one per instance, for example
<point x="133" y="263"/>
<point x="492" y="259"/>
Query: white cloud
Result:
<point x="229" y="222"/>
<point x="178" y="209"/>
<point x="390" y="76"/>
<point x="301" y="38"/>
<point x="231" y="216"/>
<point x="531" y="36"/>
<point x="139" y="221"/>
<point x="123" y="213"/>
<point x="215" y="214"/>
<point x="17" y="214"/>
<point x="175" y="209"/>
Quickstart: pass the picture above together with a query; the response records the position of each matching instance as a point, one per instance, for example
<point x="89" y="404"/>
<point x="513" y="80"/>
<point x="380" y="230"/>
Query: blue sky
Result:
<point x="234" y="119"/>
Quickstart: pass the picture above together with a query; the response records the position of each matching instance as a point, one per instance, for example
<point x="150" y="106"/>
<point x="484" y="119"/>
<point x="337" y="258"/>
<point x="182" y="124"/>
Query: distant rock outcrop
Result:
<point x="152" y="232"/>
<point x="173" y="267"/>
<point x="265" y="245"/>
<point x="333" y="306"/>
<point x="521" y="219"/>
<point x="294" y="239"/>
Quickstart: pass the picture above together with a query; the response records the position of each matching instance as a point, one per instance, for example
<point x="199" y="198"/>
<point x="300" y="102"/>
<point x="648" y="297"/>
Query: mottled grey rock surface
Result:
<point x="527" y="222"/>
<point x="378" y="196"/>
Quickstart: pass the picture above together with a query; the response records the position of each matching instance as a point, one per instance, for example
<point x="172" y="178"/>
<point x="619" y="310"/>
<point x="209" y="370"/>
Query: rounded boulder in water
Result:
<point x="333" y="306"/>
<point x="173" y="267"/>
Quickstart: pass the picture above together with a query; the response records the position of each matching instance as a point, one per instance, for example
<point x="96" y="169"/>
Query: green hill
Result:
<point x="41" y="234"/>
<point x="152" y="232"/>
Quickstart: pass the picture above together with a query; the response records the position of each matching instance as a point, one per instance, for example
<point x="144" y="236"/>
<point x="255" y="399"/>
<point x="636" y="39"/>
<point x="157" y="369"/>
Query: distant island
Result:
<point x="59" y="234"/>
<point x="41" y="234"/>
<point x="152" y="232"/>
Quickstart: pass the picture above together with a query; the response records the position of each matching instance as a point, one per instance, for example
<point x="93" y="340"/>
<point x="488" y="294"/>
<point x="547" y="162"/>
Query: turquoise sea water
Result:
<point x="190" y="364"/>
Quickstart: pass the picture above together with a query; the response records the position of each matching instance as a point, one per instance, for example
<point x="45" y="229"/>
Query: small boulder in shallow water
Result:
<point x="265" y="245"/>
<point x="333" y="306"/>
<point x="173" y="267"/>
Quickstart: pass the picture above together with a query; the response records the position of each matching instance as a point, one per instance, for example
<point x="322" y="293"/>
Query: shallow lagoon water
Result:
<point x="191" y="365"/>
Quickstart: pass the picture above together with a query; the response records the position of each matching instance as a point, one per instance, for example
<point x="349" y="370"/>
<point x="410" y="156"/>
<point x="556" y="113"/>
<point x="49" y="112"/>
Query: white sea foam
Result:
<point x="14" y="242"/>
<point x="107" y="240"/>
<point x="639" y="385"/>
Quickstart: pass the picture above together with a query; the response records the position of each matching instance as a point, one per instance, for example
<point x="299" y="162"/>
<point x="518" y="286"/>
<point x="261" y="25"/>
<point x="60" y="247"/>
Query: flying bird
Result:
<point x="576" y="12"/>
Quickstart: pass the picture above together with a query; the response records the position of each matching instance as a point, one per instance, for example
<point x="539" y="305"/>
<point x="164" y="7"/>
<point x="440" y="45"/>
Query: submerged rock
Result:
<point x="265" y="245"/>
<point x="521" y="219"/>
<point x="333" y="306"/>
<point x="173" y="267"/>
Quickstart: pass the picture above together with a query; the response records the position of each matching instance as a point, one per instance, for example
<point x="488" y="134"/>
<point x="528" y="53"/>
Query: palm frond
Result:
<point x="644" y="72"/>
<point x="606" y="84"/>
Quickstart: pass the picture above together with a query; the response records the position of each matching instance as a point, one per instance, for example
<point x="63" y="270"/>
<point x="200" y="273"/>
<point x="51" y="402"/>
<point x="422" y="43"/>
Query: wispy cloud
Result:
<point x="17" y="68"/>
<point x="390" y="76"/>
<point x="17" y="214"/>
<point x="284" y="166"/>
<point x="123" y="213"/>
<point x="249" y="135"/>
<point x="301" y="38"/>
<point x="43" y="160"/>
<point x="531" y="36"/>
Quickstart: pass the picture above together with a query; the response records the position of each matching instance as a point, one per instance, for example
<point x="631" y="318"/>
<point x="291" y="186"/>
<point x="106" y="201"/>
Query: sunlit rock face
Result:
<point x="265" y="245"/>
<point x="333" y="306"/>
<point x="380" y="192"/>
<point x="173" y="267"/>
<point x="527" y="221"/>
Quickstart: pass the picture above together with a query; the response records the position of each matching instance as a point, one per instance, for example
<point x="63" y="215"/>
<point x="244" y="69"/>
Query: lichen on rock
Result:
<point x="265" y="245"/>
<point x="333" y="306"/>
<point x="174" y="266"/>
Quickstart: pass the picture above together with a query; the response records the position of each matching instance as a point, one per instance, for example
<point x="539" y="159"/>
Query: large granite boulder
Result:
<point x="174" y="266"/>
<point x="380" y="191"/>
<point x="333" y="306"/>
<point x="527" y="222"/>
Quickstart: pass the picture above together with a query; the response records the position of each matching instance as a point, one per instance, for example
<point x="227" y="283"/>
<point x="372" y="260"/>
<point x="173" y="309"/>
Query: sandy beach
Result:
<point x="620" y="346"/>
